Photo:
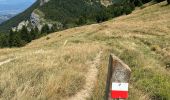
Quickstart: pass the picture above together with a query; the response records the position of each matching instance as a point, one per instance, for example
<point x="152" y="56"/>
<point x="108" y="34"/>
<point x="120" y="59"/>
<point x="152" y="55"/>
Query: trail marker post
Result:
<point x="117" y="79"/>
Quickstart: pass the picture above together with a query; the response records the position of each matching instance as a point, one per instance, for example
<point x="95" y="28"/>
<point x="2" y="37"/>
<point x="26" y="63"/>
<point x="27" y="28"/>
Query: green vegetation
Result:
<point x="13" y="22"/>
<point x="69" y="12"/>
<point x="55" y="67"/>
<point x="78" y="12"/>
<point x="22" y="37"/>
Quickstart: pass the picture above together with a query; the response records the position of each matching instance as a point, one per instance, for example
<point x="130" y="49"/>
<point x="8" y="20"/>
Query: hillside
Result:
<point x="72" y="64"/>
<point x="13" y="22"/>
<point x="64" y="14"/>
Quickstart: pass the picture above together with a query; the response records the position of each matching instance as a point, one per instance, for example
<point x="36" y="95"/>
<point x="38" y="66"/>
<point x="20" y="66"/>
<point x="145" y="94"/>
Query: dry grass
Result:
<point x="56" y="69"/>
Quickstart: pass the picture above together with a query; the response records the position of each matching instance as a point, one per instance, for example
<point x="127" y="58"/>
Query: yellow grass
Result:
<point x="56" y="68"/>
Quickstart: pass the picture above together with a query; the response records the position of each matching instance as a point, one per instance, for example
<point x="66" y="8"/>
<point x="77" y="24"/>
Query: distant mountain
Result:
<point x="14" y="6"/>
<point x="5" y="17"/>
<point x="9" y="9"/>
<point x="61" y="12"/>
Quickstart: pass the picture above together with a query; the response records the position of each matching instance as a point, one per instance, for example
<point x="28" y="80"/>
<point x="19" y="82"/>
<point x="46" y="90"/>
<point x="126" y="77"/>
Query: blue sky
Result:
<point x="15" y="1"/>
<point x="14" y="6"/>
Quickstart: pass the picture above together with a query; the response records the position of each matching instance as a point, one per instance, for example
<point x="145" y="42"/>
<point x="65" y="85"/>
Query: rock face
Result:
<point x="106" y="2"/>
<point x="35" y="20"/>
<point x="20" y="25"/>
<point x="42" y="2"/>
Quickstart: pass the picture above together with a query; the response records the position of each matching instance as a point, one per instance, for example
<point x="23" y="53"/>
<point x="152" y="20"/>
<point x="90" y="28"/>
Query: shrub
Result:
<point x="47" y="38"/>
<point x="156" y="48"/>
<point x="81" y="21"/>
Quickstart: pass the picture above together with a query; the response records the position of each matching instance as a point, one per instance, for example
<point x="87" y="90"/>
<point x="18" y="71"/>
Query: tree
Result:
<point x="81" y="21"/>
<point x="15" y="39"/>
<point x="11" y="37"/>
<point x="102" y="16"/>
<point x="128" y="9"/>
<point x="4" y="40"/>
<point x="168" y="1"/>
<point x="25" y="35"/>
<point x="45" y="29"/>
<point x="34" y="33"/>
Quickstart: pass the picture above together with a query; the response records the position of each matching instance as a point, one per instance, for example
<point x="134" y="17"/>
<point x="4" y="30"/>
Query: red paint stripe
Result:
<point x="119" y="94"/>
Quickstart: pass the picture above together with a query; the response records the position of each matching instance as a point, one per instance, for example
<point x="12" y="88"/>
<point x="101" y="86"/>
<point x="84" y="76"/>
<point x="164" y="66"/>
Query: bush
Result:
<point x="155" y="48"/>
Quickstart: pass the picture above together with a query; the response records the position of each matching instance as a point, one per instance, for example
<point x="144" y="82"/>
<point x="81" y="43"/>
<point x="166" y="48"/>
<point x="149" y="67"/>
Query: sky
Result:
<point x="14" y="6"/>
<point x="15" y="1"/>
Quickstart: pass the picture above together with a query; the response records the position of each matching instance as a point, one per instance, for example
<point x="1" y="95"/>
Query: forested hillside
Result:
<point x="57" y="15"/>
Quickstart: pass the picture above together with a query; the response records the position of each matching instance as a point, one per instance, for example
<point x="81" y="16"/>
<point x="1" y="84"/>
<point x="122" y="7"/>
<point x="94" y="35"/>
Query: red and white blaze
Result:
<point x="119" y="90"/>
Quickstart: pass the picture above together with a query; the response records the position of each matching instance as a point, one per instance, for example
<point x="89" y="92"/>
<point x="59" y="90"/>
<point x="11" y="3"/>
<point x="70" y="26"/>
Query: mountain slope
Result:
<point x="13" y="22"/>
<point x="56" y="67"/>
<point x="66" y="14"/>
<point x="52" y="10"/>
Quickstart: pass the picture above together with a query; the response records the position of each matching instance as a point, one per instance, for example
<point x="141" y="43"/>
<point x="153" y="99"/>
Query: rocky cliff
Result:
<point x="42" y="2"/>
<point x="59" y="12"/>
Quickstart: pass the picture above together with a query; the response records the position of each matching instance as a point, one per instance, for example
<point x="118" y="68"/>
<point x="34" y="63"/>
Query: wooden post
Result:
<point x="118" y="71"/>
<point x="109" y="76"/>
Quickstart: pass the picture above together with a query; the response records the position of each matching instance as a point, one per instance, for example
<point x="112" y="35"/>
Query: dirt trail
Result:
<point x="6" y="61"/>
<point x="91" y="78"/>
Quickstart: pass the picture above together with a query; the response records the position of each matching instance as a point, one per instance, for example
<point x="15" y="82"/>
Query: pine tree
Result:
<point x="4" y="40"/>
<point x="81" y="21"/>
<point x="15" y="39"/>
<point x="11" y="37"/>
<point x="45" y="29"/>
<point x="102" y="16"/>
<point x="33" y="34"/>
<point x="127" y="9"/>
<point x="25" y="35"/>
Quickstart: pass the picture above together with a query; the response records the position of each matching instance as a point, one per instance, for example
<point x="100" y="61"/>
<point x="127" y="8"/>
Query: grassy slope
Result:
<point x="48" y="69"/>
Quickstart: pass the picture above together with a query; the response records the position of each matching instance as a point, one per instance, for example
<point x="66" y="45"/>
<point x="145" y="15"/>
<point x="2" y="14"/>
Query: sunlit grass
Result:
<point x="56" y="68"/>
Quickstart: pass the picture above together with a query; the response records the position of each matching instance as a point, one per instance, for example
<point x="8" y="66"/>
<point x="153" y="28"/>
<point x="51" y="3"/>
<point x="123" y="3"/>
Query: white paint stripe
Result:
<point x="120" y="86"/>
